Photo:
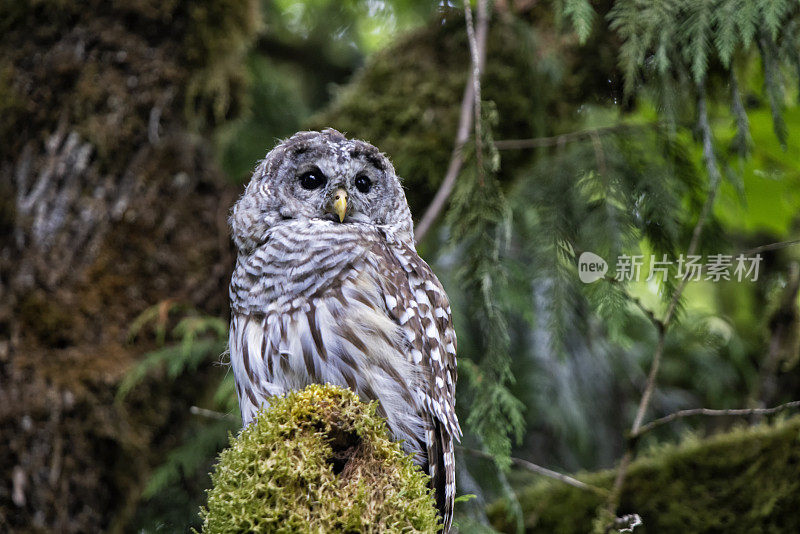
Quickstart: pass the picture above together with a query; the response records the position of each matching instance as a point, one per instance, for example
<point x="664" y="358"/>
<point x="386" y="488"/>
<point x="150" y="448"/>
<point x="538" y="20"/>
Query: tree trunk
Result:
<point x="110" y="201"/>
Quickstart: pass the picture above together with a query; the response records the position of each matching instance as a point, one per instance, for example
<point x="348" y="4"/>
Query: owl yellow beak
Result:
<point x="340" y="203"/>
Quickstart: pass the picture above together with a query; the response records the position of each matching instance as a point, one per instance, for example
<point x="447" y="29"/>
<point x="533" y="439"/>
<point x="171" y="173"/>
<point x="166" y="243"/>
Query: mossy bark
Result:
<point x="110" y="201"/>
<point x="744" y="481"/>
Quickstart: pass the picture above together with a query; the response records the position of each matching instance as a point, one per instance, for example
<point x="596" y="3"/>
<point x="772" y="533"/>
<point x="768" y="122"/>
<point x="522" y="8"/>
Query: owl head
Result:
<point x="321" y="175"/>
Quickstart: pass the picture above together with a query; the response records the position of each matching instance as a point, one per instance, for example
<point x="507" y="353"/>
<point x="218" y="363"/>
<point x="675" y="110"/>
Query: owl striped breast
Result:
<point x="350" y="305"/>
<point x="309" y="308"/>
<point x="298" y="261"/>
<point x="417" y="301"/>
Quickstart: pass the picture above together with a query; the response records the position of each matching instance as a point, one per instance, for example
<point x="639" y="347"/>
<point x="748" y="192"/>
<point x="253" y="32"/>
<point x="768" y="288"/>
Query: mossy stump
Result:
<point x="318" y="460"/>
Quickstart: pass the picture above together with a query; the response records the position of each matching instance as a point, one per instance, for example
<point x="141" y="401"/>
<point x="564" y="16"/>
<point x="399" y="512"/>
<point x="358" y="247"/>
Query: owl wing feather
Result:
<point x="416" y="300"/>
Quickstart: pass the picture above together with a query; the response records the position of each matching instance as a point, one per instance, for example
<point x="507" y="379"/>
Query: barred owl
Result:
<point x="328" y="288"/>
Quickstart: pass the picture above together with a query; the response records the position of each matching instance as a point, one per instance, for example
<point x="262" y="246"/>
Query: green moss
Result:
<point x="318" y="460"/>
<point x="219" y="34"/>
<point x="744" y="481"/>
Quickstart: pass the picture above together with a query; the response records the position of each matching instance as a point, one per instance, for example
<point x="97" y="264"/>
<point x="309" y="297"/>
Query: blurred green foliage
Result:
<point x="186" y="341"/>
<point x="611" y="93"/>
<point x="305" y="51"/>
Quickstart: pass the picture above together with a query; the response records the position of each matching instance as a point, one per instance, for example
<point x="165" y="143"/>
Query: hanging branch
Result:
<point x="464" y="123"/>
<point x="742" y="141"/>
<point x="773" y="85"/>
<point x="477" y="67"/>
<point x="710" y="160"/>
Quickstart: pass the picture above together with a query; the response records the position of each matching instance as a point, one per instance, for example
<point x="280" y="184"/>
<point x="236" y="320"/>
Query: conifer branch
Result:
<point x="464" y="126"/>
<point x="712" y="168"/>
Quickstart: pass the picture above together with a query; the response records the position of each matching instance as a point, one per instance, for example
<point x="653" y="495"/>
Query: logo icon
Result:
<point x="591" y="267"/>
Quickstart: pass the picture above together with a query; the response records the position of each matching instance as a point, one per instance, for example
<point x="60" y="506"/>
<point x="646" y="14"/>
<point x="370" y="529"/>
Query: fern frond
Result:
<point x="199" y="339"/>
<point x="192" y="455"/>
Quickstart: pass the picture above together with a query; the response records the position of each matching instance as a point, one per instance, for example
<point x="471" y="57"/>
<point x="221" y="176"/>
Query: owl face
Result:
<point x="322" y="176"/>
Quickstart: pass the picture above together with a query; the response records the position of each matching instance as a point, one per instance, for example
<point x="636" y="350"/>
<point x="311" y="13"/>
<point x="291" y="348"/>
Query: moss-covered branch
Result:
<point x="744" y="481"/>
<point x="318" y="460"/>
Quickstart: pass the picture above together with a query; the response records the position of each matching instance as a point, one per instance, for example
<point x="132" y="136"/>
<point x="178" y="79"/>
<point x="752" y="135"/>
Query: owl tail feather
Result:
<point x="441" y="468"/>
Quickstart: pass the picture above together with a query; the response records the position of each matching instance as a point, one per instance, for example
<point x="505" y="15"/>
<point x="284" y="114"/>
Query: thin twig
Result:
<point x="462" y="135"/>
<point x="711" y="412"/>
<point x="647" y="312"/>
<point x="598" y="152"/>
<point x="211" y="414"/>
<point x="476" y="82"/>
<point x="644" y="403"/>
<point x="714" y="178"/>
<point x="710" y="160"/>
<point x="539" y="470"/>
<point x="772" y="246"/>
<point x="556" y="140"/>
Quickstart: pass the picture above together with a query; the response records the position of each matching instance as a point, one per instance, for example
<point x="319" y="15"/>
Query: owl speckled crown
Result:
<point x="301" y="177"/>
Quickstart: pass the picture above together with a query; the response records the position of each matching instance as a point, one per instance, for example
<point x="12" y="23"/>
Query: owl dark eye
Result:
<point x="363" y="183"/>
<point x="312" y="179"/>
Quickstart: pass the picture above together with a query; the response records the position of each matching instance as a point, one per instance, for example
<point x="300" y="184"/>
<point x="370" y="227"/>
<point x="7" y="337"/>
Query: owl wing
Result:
<point x="416" y="300"/>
